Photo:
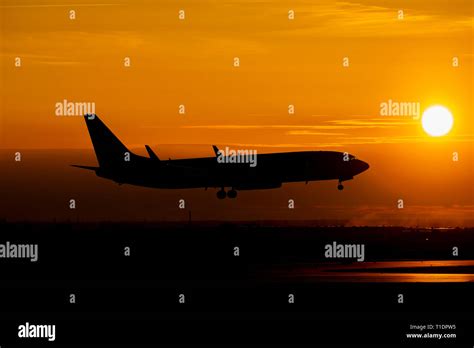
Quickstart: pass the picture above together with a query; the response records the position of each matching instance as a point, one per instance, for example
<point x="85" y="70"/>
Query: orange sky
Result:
<point x="283" y="62"/>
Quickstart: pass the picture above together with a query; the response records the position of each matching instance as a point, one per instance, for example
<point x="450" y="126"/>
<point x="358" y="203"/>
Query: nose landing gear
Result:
<point x="340" y="187"/>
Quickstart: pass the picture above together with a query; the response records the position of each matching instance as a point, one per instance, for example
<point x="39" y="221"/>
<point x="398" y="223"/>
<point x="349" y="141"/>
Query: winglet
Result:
<point x="216" y="150"/>
<point x="151" y="153"/>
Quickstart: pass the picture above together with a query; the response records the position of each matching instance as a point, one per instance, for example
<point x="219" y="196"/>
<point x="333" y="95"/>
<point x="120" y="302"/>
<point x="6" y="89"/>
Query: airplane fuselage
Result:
<point x="271" y="171"/>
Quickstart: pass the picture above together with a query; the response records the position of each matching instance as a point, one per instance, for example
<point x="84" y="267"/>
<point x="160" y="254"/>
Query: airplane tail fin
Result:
<point x="110" y="151"/>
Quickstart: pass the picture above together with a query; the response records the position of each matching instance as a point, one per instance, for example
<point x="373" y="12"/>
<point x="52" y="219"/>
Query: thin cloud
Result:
<point x="58" y="5"/>
<point x="306" y="132"/>
<point x="290" y="127"/>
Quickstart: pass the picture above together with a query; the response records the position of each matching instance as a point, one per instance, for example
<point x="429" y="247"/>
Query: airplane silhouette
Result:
<point x="119" y="164"/>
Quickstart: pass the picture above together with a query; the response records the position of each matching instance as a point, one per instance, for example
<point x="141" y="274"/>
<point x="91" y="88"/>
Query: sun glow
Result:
<point x="437" y="121"/>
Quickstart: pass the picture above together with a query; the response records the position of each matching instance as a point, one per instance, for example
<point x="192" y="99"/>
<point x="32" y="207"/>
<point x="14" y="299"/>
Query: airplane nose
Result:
<point x="360" y="166"/>
<point x="365" y="166"/>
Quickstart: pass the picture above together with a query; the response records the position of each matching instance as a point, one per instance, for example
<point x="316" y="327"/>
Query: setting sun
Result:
<point x="437" y="121"/>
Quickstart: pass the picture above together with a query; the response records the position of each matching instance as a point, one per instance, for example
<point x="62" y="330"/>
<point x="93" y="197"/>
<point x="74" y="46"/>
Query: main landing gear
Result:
<point x="221" y="194"/>
<point x="232" y="193"/>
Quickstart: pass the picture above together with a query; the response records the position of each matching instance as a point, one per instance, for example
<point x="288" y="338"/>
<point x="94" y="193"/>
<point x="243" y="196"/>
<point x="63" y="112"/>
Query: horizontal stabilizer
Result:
<point x="151" y="153"/>
<point x="84" y="167"/>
